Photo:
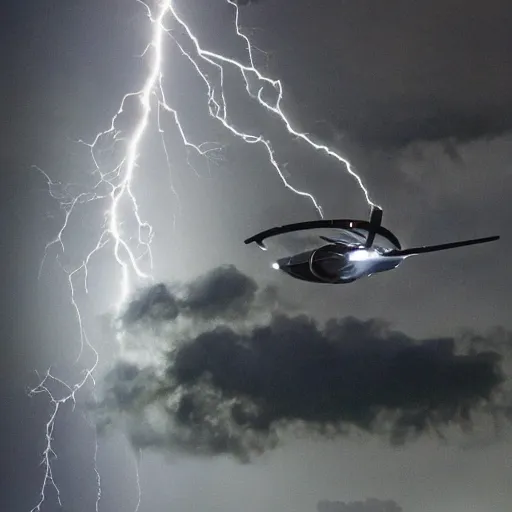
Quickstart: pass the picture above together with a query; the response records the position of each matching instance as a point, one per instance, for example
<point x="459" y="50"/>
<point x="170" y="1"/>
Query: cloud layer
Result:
<point x="235" y="384"/>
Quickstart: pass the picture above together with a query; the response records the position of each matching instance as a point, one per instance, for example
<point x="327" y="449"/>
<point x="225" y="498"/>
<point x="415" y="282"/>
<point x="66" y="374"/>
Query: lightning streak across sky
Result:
<point x="115" y="185"/>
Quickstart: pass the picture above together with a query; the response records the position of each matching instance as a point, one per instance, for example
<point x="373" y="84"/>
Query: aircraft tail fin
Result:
<point x="375" y="222"/>
<point x="442" y="247"/>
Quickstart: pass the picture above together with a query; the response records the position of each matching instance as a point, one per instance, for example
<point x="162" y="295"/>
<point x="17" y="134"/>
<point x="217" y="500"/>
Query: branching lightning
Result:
<point x="115" y="185"/>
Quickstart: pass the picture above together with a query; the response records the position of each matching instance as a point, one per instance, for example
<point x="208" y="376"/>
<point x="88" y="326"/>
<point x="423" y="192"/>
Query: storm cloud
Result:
<point x="222" y="293"/>
<point x="235" y="386"/>
<point x="394" y="125"/>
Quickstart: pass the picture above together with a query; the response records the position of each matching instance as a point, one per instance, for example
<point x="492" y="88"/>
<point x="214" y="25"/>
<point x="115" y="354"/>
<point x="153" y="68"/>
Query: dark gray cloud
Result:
<point x="369" y="505"/>
<point x="394" y="125"/>
<point x="233" y="390"/>
<point x="224" y="292"/>
<point x="157" y="303"/>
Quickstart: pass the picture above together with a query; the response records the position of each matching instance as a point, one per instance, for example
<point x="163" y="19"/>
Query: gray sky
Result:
<point x="417" y="96"/>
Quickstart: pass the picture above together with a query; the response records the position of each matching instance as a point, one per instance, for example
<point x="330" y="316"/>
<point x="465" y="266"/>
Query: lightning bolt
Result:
<point x="115" y="186"/>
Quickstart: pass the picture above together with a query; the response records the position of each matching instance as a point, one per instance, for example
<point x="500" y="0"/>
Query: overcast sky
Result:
<point x="418" y="95"/>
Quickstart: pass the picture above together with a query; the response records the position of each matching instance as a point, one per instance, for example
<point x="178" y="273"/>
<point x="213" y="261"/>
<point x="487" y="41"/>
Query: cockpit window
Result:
<point x="328" y="265"/>
<point x="303" y="241"/>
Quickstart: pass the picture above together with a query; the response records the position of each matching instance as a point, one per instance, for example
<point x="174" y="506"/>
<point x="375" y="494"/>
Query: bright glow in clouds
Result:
<point x="115" y="185"/>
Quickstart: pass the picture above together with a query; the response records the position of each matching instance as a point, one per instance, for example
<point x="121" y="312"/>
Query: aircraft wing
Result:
<point x="347" y="232"/>
<point x="442" y="247"/>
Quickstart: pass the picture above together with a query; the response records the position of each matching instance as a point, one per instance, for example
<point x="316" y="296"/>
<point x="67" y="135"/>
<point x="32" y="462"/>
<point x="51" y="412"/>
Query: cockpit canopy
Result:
<point x="302" y="241"/>
<point x="357" y="237"/>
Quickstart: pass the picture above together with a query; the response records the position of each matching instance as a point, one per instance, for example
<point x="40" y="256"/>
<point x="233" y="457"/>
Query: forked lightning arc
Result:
<point x="115" y="184"/>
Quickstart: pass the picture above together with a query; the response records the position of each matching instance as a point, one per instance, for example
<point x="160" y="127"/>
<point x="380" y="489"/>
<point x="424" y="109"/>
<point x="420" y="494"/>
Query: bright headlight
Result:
<point x="360" y="255"/>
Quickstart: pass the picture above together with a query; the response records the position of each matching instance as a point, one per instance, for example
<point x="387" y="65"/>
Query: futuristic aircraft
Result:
<point x="359" y="249"/>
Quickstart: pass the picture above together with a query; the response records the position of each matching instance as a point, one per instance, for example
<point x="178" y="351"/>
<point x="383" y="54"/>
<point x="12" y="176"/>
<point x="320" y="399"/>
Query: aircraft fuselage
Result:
<point x="335" y="264"/>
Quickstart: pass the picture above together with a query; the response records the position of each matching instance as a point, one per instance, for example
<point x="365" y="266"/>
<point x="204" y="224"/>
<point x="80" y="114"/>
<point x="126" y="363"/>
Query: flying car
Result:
<point x="358" y="249"/>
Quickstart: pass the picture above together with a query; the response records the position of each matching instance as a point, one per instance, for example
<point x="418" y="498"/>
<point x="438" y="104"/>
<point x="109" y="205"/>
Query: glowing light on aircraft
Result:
<point x="361" y="255"/>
